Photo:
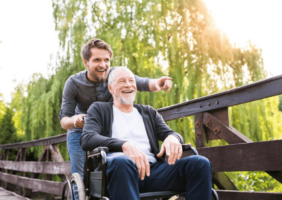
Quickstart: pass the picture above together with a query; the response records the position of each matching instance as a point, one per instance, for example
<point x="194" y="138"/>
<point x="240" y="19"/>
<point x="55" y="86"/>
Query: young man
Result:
<point x="135" y="163"/>
<point x="86" y="87"/>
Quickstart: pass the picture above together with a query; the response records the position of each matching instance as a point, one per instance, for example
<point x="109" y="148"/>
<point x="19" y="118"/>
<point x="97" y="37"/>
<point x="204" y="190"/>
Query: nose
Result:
<point x="127" y="83"/>
<point x="102" y="64"/>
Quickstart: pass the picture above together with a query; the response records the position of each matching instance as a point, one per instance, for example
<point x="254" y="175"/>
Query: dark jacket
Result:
<point x="97" y="130"/>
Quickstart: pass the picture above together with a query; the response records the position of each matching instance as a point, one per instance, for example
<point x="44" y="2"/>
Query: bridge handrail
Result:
<point x="247" y="93"/>
<point x="45" y="141"/>
<point x="256" y="91"/>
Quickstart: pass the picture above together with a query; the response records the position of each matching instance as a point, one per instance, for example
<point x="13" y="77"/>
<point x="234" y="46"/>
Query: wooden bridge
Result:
<point x="211" y="123"/>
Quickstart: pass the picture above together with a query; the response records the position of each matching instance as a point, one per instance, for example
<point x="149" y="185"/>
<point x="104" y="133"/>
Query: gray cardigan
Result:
<point x="97" y="130"/>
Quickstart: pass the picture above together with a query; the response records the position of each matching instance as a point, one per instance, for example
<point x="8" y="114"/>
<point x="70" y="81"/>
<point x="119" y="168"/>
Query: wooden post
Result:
<point x="4" y="156"/>
<point x="200" y="133"/>
<point x="48" y="176"/>
<point x="22" y="158"/>
<point x="203" y="134"/>
<point x="27" y="192"/>
<point x="57" y="157"/>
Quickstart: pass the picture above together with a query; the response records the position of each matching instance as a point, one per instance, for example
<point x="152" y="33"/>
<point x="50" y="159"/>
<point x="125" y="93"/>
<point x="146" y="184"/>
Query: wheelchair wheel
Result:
<point x="76" y="179"/>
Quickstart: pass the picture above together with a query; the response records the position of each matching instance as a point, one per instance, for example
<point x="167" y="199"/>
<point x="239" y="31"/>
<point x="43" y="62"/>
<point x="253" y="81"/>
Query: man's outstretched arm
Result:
<point x="153" y="85"/>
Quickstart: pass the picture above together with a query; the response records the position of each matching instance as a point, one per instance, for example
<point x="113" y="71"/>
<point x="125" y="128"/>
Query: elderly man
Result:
<point x="135" y="163"/>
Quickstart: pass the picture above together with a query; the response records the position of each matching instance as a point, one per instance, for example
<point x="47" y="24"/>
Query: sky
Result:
<point x="256" y="20"/>
<point x="29" y="40"/>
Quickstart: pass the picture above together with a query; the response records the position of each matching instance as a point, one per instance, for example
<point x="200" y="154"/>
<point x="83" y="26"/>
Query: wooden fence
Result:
<point x="49" y="163"/>
<point x="211" y="122"/>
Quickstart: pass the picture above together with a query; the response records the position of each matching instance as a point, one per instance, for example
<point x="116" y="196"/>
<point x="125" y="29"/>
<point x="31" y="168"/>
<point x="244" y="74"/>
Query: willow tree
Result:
<point x="8" y="131"/>
<point x="153" y="38"/>
<point x="2" y="107"/>
<point x="177" y="38"/>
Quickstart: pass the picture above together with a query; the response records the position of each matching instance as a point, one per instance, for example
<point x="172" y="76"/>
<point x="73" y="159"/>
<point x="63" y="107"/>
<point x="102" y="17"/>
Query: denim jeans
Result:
<point x="192" y="175"/>
<point x="76" y="155"/>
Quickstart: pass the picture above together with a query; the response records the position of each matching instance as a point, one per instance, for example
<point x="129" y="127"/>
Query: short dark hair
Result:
<point x="95" y="43"/>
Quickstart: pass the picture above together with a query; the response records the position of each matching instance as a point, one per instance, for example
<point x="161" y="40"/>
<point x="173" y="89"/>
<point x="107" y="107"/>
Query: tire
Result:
<point x="76" y="179"/>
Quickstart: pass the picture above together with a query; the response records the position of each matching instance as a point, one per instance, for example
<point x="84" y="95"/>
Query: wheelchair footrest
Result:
<point x="154" y="195"/>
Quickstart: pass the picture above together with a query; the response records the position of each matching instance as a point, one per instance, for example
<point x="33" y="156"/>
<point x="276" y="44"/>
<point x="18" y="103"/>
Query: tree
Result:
<point x="8" y="131"/>
<point x="2" y="108"/>
<point x="16" y="105"/>
<point x="280" y="103"/>
<point x="177" y="38"/>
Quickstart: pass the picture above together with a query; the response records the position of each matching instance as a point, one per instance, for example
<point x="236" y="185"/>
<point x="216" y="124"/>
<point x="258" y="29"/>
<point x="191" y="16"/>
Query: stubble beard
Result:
<point x="99" y="79"/>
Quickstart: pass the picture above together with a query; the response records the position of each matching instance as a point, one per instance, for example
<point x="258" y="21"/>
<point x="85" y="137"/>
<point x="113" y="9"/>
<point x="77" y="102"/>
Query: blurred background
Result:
<point x="206" y="46"/>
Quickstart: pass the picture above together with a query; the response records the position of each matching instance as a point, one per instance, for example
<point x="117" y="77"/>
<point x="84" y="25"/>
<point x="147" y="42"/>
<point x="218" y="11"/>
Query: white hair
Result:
<point x="112" y="74"/>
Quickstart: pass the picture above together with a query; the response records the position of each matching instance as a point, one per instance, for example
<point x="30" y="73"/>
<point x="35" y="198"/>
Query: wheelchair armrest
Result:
<point x="189" y="147"/>
<point x="97" y="151"/>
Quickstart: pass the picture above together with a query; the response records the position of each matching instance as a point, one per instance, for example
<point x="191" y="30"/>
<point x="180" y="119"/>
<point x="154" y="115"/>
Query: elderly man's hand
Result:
<point x="173" y="149"/>
<point x="138" y="158"/>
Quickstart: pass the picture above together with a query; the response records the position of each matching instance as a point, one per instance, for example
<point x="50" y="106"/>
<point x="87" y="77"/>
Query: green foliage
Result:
<point x="17" y="105"/>
<point x="8" y="131"/>
<point x="177" y="38"/>
<point x="2" y="108"/>
<point x="280" y="103"/>
<point x="259" y="120"/>
<point x="254" y="181"/>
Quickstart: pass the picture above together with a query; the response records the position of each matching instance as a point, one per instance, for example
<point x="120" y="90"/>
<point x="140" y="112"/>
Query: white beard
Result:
<point x="127" y="100"/>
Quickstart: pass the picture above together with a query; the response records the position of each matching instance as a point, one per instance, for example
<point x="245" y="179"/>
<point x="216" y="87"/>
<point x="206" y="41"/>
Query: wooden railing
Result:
<point x="50" y="163"/>
<point x="211" y="123"/>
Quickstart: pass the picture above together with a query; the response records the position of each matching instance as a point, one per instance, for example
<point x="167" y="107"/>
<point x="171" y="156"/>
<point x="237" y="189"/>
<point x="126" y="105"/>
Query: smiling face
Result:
<point x="123" y="87"/>
<point x="98" y="65"/>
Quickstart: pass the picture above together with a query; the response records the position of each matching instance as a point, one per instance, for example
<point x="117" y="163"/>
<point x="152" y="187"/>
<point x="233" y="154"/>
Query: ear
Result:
<point x="85" y="63"/>
<point x="110" y="89"/>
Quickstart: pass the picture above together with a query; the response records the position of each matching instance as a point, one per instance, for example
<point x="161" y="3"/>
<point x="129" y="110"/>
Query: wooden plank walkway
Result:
<point x="8" y="195"/>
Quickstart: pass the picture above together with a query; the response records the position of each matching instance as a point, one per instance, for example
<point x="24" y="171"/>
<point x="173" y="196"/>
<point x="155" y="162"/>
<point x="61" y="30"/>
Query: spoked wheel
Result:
<point x="70" y="184"/>
<point x="67" y="191"/>
<point x="214" y="194"/>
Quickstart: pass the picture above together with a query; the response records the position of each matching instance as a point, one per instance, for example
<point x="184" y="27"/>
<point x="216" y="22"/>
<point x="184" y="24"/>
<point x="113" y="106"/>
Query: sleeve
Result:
<point x="94" y="134"/>
<point x="142" y="83"/>
<point x="68" y="100"/>
<point x="163" y="130"/>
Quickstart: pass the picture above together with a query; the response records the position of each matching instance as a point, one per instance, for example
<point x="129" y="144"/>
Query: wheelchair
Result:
<point x="94" y="184"/>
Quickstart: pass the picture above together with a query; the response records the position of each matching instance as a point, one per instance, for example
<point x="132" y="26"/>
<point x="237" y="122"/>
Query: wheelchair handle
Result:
<point x="97" y="151"/>
<point x="189" y="147"/>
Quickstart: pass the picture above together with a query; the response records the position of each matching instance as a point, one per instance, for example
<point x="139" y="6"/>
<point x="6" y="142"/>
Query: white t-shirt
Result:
<point x="130" y="127"/>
